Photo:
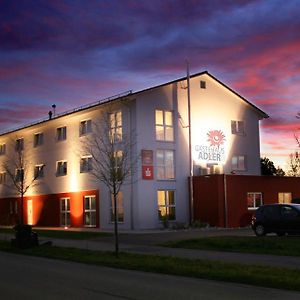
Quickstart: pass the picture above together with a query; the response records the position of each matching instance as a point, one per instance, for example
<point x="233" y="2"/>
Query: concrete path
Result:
<point x="144" y="243"/>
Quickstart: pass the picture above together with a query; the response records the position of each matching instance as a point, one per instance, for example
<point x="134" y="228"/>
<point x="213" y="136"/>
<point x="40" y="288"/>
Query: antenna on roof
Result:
<point x="53" y="106"/>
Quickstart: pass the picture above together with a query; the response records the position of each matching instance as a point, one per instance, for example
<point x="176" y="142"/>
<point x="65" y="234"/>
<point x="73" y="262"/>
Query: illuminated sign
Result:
<point x="213" y="150"/>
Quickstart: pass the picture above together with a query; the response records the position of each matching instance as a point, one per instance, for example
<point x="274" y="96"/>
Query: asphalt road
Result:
<point x="25" y="277"/>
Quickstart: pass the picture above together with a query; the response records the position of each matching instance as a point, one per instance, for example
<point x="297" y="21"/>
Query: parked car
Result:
<point x="276" y="218"/>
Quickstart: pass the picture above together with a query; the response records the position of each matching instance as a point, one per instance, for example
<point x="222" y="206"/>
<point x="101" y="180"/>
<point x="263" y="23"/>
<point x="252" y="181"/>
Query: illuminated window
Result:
<point x="19" y="175"/>
<point x="165" y="164"/>
<point x="61" y="168"/>
<point x="86" y="164"/>
<point x="90" y="211"/>
<point x="120" y="208"/>
<point x="2" y="149"/>
<point x="85" y="127"/>
<point x="238" y="163"/>
<point x="2" y="177"/>
<point x="254" y="200"/>
<point x="164" y="125"/>
<point x="237" y="127"/>
<point x="65" y="219"/>
<point x="38" y="171"/>
<point x="166" y="205"/>
<point x="115" y="132"/>
<point x="19" y="145"/>
<point x="38" y="139"/>
<point x="284" y="197"/>
<point x="61" y="133"/>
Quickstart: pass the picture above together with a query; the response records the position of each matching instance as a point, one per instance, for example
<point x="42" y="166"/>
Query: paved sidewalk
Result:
<point x="144" y="243"/>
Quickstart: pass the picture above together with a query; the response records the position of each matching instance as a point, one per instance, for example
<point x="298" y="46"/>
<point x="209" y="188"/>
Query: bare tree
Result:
<point x="19" y="169"/>
<point x="294" y="164"/>
<point x="113" y="161"/>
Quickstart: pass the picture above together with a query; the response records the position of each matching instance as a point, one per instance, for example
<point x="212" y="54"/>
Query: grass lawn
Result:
<point x="63" y="234"/>
<point x="255" y="275"/>
<point x="286" y="245"/>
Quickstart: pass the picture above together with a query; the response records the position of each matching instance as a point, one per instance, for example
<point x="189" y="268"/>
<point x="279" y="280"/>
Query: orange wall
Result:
<point x="46" y="209"/>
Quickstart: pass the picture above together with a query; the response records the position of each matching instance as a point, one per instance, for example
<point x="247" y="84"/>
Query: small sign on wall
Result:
<point x="147" y="157"/>
<point x="147" y="172"/>
<point x="147" y="164"/>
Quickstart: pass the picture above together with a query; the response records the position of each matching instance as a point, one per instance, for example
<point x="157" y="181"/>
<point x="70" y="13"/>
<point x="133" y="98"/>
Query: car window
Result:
<point x="288" y="211"/>
<point x="271" y="211"/>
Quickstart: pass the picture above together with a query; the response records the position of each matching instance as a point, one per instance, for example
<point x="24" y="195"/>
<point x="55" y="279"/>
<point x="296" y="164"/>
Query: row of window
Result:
<point x="85" y="127"/>
<point x="164" y="160"/>
<point x="254" y="200"/>
<point x="164" y="130"/>
<point x="165" y="203"/>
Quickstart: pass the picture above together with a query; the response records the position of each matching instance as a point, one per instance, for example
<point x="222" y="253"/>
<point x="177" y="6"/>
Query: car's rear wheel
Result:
<point x="260" y="230"/>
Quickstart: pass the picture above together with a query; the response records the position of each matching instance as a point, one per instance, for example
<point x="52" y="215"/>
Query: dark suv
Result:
<point x="276" y="218"/>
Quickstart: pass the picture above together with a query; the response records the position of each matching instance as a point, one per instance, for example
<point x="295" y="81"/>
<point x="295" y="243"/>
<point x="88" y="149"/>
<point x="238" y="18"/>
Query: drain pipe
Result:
<point x="225" y="201"/>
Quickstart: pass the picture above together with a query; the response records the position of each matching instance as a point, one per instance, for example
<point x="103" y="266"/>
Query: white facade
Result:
<point x="225" y="138"/>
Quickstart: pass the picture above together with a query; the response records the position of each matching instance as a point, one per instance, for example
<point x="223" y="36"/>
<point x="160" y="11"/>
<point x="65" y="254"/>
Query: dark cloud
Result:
<point x="71" y="52"/>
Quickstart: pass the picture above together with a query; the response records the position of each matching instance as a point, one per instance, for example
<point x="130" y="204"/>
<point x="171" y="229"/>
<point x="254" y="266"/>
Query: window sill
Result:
<point x="164" y="141"/>
<point x="168" y="180"/>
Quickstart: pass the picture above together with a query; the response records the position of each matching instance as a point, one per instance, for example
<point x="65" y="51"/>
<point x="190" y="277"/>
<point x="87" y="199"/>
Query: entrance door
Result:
<point x="29" y="213"/>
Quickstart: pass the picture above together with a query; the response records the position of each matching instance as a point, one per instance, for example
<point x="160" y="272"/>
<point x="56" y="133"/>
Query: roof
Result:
<point x="130" y="93"/>
<point x="262" y="113"/>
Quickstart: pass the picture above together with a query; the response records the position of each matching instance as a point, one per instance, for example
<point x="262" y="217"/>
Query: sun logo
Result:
<point x="216" y="137"/>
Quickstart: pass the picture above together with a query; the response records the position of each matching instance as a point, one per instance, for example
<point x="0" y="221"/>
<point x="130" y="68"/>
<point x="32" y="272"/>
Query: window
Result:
<point x="61" y="133"/>
<point x="2" y="149"/>
<point x="289" y="212"/>
<point x="19" y="144"/>
<point x="118" y="164"/>
<point x="2" y="177"/>
<point x="90" y="211"/>
<point x="284" y="197"/>
<point x="85" y="127"/>
<point x="61" y="168"/>
<point x="86" y="164"/>
<point x="65" y="219"/>
<point x="237" y="127"/>
<point x="164" y="125"/>
<point x="254" y="200"/>
<point x="13" y="207"/>
<point x="238" y="163"/>
<point x="120" y="208"/>
<point x="166" y="205"/>
<point x="115" y="132"/>
<point x="19" y="175"/>
<point x="39" y="171"/>
<point x="165" y="164"/>
<point x="38" y="139"/>
<point x="203" y="84"/>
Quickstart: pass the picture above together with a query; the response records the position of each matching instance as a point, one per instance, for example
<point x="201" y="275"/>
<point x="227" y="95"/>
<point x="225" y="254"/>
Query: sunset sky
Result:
<point x="73" y="52"/>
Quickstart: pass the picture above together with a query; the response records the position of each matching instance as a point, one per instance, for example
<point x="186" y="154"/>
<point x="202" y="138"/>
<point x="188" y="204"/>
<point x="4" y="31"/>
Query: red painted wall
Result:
<point x="46" y="209"/>
<point x="209" y="196"/>
<point x="209" y="200"/>
<point x="8" y="214"/>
